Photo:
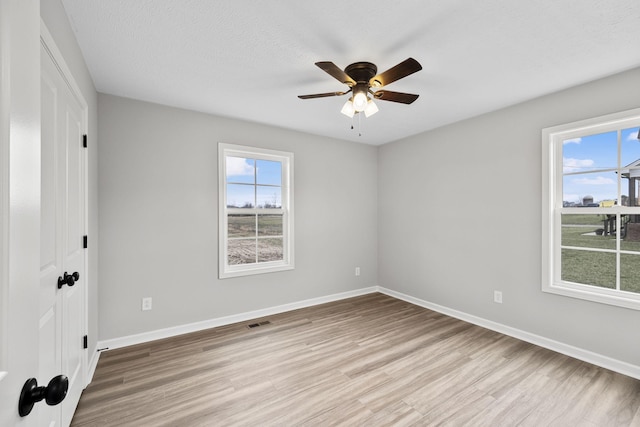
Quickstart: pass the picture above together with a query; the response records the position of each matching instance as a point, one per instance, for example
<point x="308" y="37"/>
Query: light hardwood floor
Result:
<point x="371" y="360"/>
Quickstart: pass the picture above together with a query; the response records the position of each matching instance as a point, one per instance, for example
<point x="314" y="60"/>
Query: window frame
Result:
<point x="225" y="270"/>
<point x="552" y="208"/>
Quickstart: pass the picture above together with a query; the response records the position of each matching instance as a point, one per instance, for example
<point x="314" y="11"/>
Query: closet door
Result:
<point x="62" y="276"/>
<point x="73" y="297"/>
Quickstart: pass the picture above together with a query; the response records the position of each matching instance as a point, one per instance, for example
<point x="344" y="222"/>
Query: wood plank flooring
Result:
<point x="371" y="361"/>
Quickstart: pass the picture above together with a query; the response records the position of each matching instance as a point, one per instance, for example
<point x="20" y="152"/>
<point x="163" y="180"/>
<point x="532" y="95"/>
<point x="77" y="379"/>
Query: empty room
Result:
<point x="233" y="213"/>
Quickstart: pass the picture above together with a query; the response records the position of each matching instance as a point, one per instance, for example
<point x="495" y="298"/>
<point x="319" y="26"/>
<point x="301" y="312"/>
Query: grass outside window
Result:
<point x="597" y="268"/>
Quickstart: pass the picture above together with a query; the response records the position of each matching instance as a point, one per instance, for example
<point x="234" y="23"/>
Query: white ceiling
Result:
<point x="250" y="59"/>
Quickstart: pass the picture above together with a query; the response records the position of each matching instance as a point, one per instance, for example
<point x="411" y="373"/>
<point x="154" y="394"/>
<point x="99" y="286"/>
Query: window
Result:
<point x="255" y="210"/>
<point x="591" y="209"/>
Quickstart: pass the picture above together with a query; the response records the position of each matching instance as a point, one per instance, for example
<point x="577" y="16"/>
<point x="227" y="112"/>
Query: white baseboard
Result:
<point x="227" y="320"/>
<point x="575" y="352"/>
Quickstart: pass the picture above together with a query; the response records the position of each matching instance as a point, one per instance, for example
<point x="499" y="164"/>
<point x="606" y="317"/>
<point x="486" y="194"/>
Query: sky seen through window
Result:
<point x="590" y="165"/>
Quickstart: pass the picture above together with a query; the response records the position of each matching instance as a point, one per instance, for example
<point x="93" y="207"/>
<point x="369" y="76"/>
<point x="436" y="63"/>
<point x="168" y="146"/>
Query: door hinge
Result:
<point x="85" y="342"/>
<point x="84" y="141"/>
<point x="85" y="243"/>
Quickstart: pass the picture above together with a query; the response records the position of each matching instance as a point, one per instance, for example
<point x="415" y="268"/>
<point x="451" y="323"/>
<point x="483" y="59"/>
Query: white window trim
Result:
<point x="224" y="269"/>
<point x="552" y="207"/>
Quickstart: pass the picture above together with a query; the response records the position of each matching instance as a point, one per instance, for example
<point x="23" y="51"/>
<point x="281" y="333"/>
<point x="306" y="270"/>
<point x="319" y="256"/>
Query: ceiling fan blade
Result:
<point x="322" y="95"/>
<point x="387" y="95"/>
<point x="333" y="70"/>
<point x="403" y="69"/>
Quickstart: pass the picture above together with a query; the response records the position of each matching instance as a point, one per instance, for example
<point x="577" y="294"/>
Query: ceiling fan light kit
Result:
<point x="347" y="108"/>
<point x="361" y="77"/>
<point x="370" y="109"/>
<point x="360" y="99"/>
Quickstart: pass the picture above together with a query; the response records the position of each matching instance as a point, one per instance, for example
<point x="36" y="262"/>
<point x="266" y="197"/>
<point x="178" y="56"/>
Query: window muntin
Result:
<point x="256" y="210"/>
<point x="591" y="209"/>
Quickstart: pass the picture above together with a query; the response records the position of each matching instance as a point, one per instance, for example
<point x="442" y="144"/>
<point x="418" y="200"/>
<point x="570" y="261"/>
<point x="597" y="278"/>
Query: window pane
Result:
<point x="270" y="250"/>
<point x="590" y="189"/>
<point x="630" y="273"/>
<point x="241" y="196"/>
<point x="241" y="251"/>
<point x="240" y="170"/>
<point x="589" y="231"/>
<point x="630" y="186"/>
<point x="241" y="225"/>
<point x="590" y="153"/>
<point x="630" y="147"/>
<point x="269" y="197"/>
<point x="270" y="225"/>
<point x="269" y="172"/>
<point x="589" y="268"/>
<point x="631" y="233"/>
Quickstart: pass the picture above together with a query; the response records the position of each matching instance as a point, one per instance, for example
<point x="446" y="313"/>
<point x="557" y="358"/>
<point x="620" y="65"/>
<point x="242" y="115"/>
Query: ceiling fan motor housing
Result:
<point x="361" y="72"/>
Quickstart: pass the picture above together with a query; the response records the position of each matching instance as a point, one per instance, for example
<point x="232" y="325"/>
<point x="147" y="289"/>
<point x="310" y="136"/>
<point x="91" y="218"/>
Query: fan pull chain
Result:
<point x="359" y="123"/>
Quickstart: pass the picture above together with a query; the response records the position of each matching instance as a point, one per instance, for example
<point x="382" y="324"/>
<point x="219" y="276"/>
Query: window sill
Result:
<point x="239" y="271"/>
<point x="592" y="293"/>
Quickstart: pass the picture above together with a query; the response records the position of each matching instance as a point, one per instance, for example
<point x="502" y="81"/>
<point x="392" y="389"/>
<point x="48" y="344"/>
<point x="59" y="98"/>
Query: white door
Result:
<point x="19" y="202"/>
<point x="62" y="275"/>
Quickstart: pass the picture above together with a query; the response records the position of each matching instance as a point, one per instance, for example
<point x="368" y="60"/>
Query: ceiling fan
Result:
<point x="361" y="78"/>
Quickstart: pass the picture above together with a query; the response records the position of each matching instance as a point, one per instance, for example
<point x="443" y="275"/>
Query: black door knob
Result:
<point x="68" y="279"/>
<point x="53" y="393"/>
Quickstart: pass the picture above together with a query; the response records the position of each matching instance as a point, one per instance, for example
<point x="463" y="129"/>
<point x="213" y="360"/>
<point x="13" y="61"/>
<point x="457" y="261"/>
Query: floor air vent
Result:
<point x="255" y="325"/>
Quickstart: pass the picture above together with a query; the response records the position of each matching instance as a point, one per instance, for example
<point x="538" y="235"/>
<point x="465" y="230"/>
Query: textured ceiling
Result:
<point x="250" y="59"/>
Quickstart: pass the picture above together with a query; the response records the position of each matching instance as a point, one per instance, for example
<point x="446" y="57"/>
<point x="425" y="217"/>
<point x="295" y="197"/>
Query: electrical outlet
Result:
<point x="146" y="303"/>
<point x="357" y="271"/>
<point x="497" y="297"/>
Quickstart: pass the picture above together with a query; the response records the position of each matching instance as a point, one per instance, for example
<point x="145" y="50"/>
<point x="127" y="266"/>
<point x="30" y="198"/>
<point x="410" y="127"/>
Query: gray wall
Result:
<point x="456" y="212"/>
<point x="459" y="216"/>
<point x="159" y="219"/>
<point x="53" y="14"/>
